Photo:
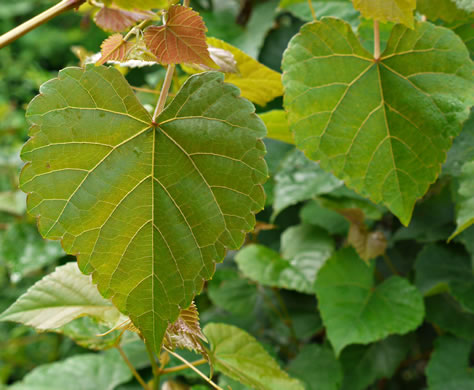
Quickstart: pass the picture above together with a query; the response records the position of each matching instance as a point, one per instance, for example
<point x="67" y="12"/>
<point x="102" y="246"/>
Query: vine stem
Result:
<point x="132" y="369"/>
<point x="190" y="365"/>
<point x="182" y="367"/>
<point x="311" y="8"/>
<point x="38" y="20"/>
<point x="376" y="40"/>
<point x="164" y="91"/>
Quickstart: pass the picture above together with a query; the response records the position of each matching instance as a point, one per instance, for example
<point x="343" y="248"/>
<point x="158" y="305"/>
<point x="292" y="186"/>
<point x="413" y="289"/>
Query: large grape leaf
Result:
<point x="382" y="126"/>
<point x="398" y="11"/>
<point x="237" y="354"/>
<point x="355" y="310"/>
<point x="147" y="207"/>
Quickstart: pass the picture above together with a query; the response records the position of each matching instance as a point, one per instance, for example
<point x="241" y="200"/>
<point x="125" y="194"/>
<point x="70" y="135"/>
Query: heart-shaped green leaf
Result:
<point x="355" y="310"/>
<point x="147" y="207"/>
<point x="237" y="354"/>
<point x="382" y="126"/>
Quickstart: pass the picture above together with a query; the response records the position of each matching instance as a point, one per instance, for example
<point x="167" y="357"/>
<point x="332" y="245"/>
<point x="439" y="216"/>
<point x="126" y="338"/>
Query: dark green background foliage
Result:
<point x="406" y="321"/>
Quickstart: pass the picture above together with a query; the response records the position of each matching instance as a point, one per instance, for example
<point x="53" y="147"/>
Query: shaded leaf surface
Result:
<point x="23" y="250"/>
<point x="449" y="315"/>
<point x="300" y="179"/>
<point x="317" y="368"/>
<point x="355" y="311"/>
<point x="383" y="127"/>
<point x="181" y="39"/>
<point x="439" y="269"/>
<point x="237" y="354"/>
<point x="165" y="197"/>
<point x="449" y="368"/>
<point x="363" y="365"/>
<point x="59" y="298"/>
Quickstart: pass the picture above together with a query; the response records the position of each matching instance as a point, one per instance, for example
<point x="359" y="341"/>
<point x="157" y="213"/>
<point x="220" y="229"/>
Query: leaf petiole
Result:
<point x="190" y="365"/>
<point x="376" y="40"/>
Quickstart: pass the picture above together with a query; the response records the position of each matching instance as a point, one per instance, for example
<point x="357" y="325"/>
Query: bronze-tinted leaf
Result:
<point x="114" y="48"/>
<point x="117" y="20"/>
<point x="186" y="332"/>
<point x="368" y="245"/>
<point x="181" y="40"/>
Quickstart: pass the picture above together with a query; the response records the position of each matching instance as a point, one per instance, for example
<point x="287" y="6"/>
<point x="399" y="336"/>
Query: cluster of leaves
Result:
<point x="359" y="270"/>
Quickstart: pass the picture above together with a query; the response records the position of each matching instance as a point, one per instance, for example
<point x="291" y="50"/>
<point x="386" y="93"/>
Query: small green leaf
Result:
<point x="384" y="126"/>
<point x="397" y="11"/>
<point x="171" y="196"/>
<point x="89" y="333"/>
<point x="229" y="292"/>
<point x="462" y="150"/>
<point x="363" y="365"/>
<point x="277" y="126"/>
<point x="314" y="213"/>
<point x="23" y="249"/>
<point x="59" y="298"/>
<point x="449" y="315"/>
<point x="449" y="368"/>
<point x="304" y="249"/>
<point x="300" y="179"/>
<point x="465" y="199"/>
<point x="317" y="368"/>
<point x="237" y="354"/>
<point x="355" y="310"/>
<point x="89" y="371"/>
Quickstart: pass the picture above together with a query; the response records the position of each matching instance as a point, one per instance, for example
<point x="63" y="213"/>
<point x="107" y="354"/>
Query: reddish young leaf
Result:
<point x="116" y="20"/>
<point x="114" y="48"/>
<point x="181" y="40"/>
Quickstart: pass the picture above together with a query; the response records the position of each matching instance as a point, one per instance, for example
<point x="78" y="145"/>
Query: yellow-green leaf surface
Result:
<point x="398" y="11"/>
<point x="257" y="82"/>
<point x="277" y="126"/>
<point x="59" y="298"/>
<point x="237" y="354"/>
<point x="382" y="126"/>
<point x="147" y="207"/>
